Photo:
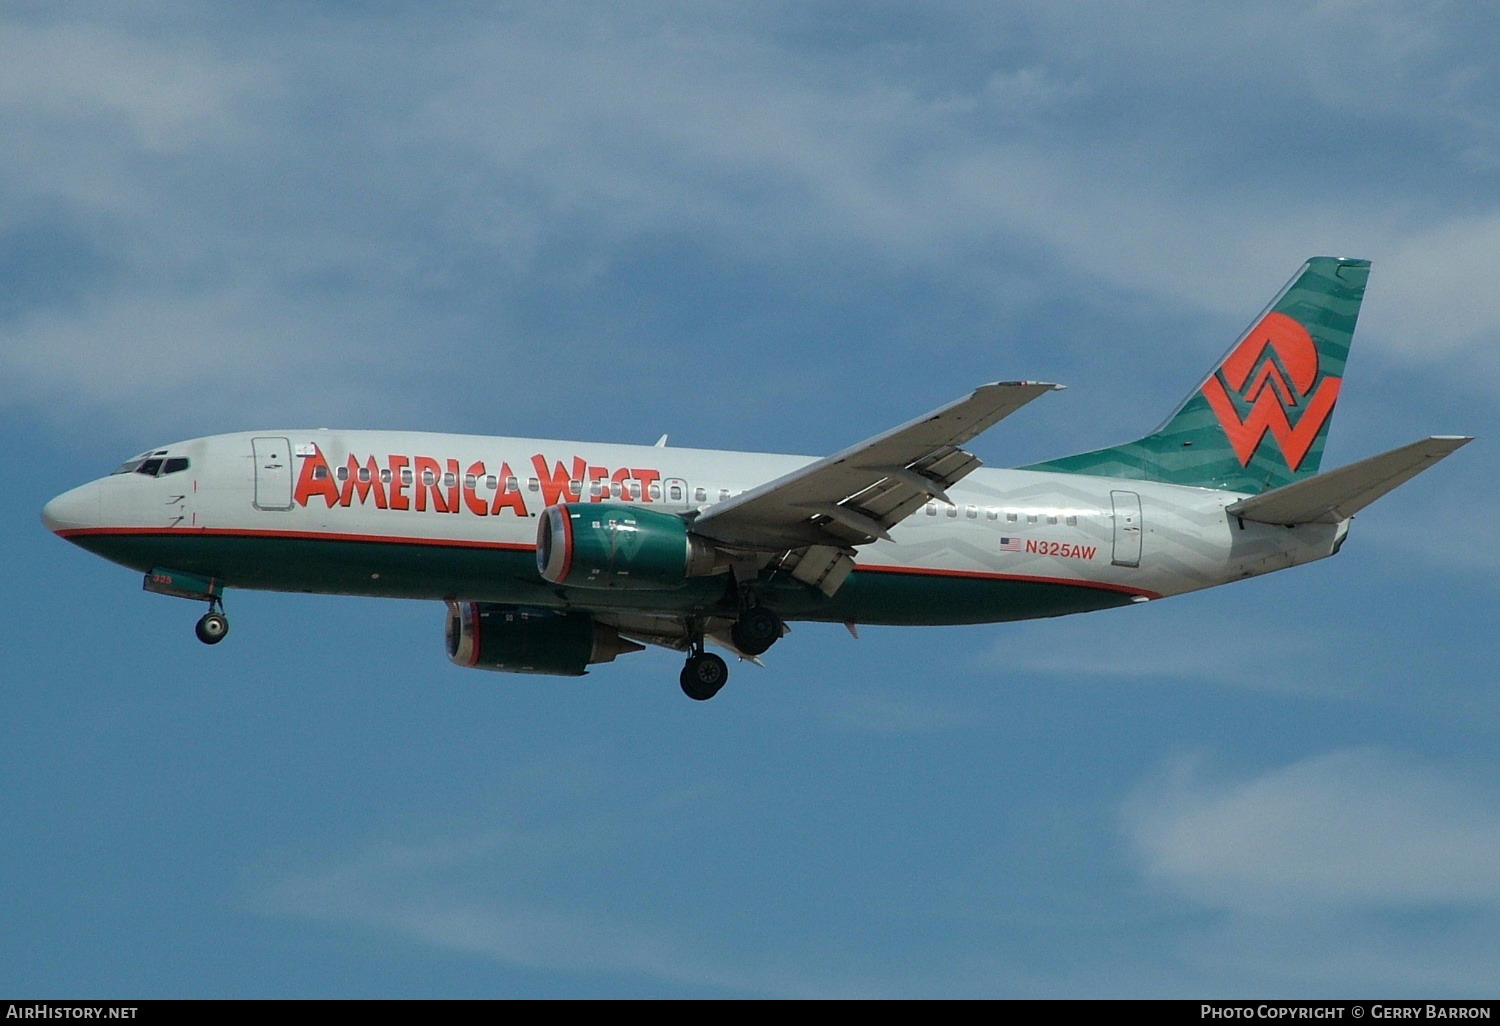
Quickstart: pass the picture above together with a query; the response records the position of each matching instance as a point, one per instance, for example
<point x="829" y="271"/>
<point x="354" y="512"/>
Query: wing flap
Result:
<point x="1338" y="494"/>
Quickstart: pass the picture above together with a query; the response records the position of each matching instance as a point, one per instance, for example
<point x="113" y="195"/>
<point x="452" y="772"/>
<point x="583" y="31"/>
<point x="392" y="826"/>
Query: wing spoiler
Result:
<point x="1338" y="494"/>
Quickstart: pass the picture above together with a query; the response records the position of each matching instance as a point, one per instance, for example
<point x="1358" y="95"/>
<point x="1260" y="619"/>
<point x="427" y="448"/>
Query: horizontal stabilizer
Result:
<point x="1339" y="494"/>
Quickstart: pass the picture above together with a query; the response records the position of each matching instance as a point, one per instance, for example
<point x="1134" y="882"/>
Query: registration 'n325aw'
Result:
<point x="554" y="555"/>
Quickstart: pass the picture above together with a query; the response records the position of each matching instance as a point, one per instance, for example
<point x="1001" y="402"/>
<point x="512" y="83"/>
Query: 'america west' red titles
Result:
<point x="426" y="484"/>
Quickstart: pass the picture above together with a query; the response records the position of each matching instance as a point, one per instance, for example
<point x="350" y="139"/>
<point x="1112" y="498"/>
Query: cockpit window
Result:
<point x="154" y="466"/>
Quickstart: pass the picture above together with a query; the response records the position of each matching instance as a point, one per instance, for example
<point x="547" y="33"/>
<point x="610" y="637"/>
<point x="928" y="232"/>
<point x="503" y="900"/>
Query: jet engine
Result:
<point x="611" y="545"/>
<point x="517" y="639"/>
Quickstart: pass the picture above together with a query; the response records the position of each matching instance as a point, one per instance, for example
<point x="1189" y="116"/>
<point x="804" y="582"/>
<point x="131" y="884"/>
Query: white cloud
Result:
<point x="543" y="144"/>
<point x="1356" y="829"/>
<point x="523" y="898"/>
<point x="166" y="94"/>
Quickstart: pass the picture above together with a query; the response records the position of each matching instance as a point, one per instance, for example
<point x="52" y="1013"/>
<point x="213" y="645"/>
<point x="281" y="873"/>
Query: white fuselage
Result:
<point x="439" y="491"/>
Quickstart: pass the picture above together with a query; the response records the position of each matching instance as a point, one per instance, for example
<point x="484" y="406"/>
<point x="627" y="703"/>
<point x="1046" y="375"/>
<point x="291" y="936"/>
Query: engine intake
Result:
<point x="517" y="639"/>
<point x="611" y="545"/>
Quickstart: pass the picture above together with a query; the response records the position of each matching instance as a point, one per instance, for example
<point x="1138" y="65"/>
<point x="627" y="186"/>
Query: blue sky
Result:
<point x="778" y="227"/>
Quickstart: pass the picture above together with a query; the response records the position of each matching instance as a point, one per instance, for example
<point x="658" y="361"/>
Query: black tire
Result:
<point x="703" y="676"/>
<point x="212" y="628"/>
<point x="757" y="630"/>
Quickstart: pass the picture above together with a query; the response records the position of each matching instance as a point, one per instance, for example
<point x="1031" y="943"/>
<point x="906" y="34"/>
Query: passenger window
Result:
<point x="654" y="491"/>
<point x="1051" y="520"/>
<point x="385" y="476"/>
<point x="174" y="464"/>
<point x="533" y="484"/>
<point x="972" y="512"/>
<point x="675" y="494"/>
<point x="449" y="480"/>
<point x="1031" y="518"/>
<point x="407" y="477"/>
<point x="932" y="509"/>
<point x="470" y="480"/>
<point x="1072" y="521"/>
<point x="1010" y="518"/>
<point x="952" y="512"/>
<point x="700" y="494"/>
<point x="510" y="484"/>
<point x="992" y="513"/>
<point x="364" y="475"/>
<point x="723" y="494"/>
<point x="429" y="478"/>
<point x="342" y="473"/>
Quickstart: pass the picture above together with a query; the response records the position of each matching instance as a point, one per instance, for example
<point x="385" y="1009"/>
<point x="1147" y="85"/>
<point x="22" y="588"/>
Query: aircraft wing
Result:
<point x="854" y="497"/>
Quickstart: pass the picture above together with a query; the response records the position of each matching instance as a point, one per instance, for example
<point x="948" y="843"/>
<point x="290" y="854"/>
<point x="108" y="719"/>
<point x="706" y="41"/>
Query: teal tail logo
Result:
<point x="1260" y="418"/>
<point x="1273" y="372"/>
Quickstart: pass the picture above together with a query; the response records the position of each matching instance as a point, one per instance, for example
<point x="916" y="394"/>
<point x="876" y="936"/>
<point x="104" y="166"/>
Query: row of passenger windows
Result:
<point x="992" y="513"/>
<point x="676" y="491"/>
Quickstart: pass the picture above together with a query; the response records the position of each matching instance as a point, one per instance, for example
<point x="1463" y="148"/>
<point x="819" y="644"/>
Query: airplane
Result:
<point x="553" y="556"/>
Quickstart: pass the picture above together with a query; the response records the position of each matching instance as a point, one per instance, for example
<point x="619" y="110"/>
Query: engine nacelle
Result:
<point x="611" y="545"/>
<point x="519" y="639"/>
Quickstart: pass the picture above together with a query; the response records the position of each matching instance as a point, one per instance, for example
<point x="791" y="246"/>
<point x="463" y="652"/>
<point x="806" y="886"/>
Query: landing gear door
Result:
<point x="1127" y="528"/>
<point x="273" y="473"/>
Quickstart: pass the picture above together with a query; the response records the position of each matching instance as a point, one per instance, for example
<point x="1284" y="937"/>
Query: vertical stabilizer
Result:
<point x="1260" y="418"/>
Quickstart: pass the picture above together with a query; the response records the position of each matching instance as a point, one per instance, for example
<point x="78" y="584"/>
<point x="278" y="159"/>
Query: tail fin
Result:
<point x="1260" y="418"/>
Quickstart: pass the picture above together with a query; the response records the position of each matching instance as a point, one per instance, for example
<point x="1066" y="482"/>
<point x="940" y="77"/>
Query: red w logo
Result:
<point x="1273" y="370"/>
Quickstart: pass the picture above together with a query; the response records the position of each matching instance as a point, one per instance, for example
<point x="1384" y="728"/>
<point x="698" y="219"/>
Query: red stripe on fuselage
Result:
<point x="227" y="532"/>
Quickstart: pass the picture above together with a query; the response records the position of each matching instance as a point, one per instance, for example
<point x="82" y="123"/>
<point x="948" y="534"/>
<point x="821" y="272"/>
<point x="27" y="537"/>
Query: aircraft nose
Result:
<point x="72" y="510"/>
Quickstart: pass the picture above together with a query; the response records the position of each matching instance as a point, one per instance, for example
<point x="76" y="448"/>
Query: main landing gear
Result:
<point x="756" y="630"/>
<point x="704" y="674"/>
<point x="213" y="625"/>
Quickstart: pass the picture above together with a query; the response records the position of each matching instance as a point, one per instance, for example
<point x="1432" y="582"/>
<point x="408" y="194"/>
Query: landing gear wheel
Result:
<point x="703" y="676"/>
<point x="212" y="628"/>
<point x="756" y="630"/>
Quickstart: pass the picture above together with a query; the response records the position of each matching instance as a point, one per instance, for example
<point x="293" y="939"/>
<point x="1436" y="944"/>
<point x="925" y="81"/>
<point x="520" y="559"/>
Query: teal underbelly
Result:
<point x="338" y="566"/>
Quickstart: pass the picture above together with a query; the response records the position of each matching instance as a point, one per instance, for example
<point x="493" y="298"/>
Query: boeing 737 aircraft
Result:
<point x="552" y="556"/>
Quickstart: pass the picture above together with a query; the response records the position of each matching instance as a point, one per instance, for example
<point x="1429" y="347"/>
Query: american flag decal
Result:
<point x="1010" y="545"/>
